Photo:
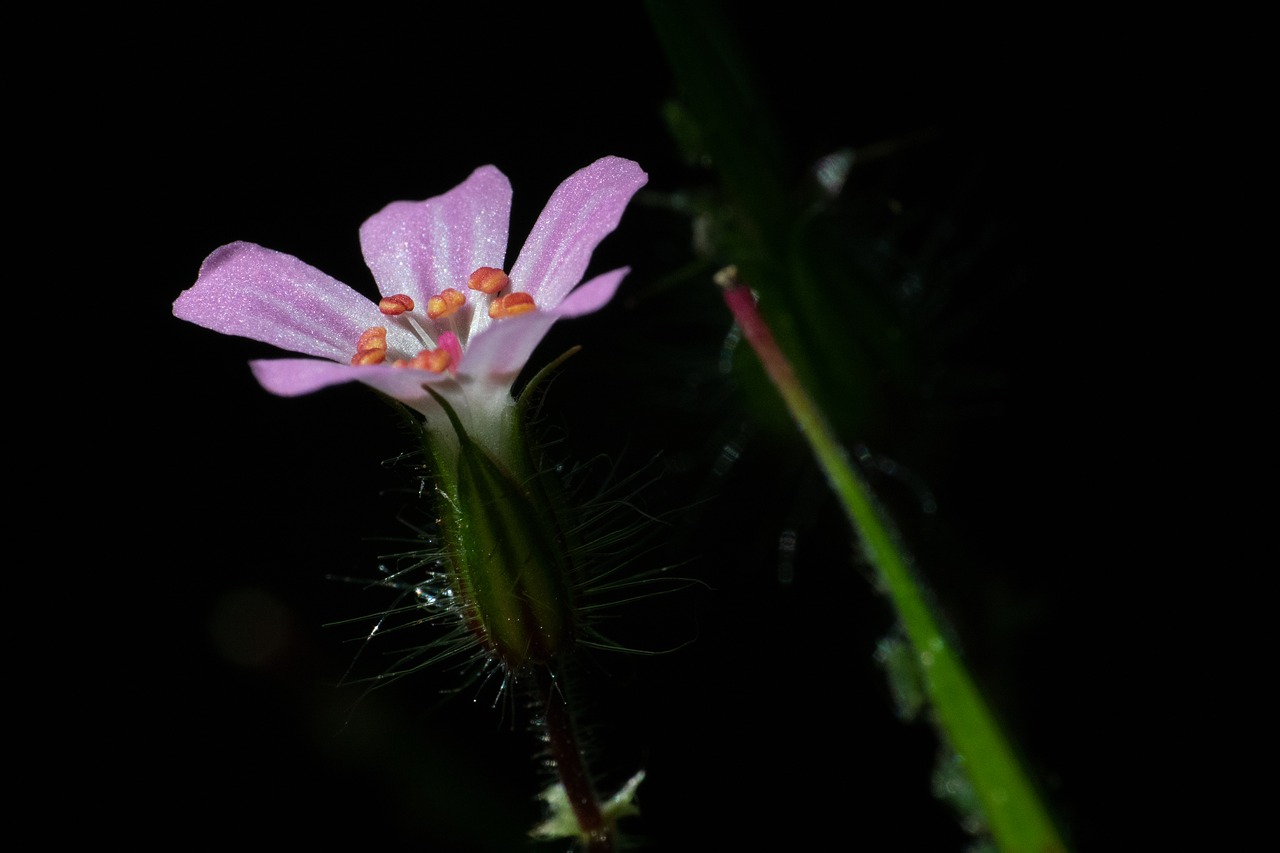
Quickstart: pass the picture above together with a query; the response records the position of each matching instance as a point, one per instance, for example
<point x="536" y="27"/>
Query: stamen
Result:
<point x="488" y="280"/>
<point x="445" y="357"/>
<point x="511" y="305"/>
<point x="394" y="306"/>
<point x="372" y="347"/>
<point x="434" y="360"/>
<point x="446" y="304"/>
<point x="417" y="327"/>
<point x="364" y="358"/>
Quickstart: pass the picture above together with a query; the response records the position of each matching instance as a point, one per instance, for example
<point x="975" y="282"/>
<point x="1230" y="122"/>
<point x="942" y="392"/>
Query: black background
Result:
<point x="216" y="709"/>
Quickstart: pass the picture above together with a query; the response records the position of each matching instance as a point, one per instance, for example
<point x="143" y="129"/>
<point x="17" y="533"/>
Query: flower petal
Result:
<point x="422" y="247"/>
<point x="498" y="355"/>
<point x="293" y="377"/>
<point x="593" y="295"/>
<point x="581" y="212"/>
<point x="246" y="290"/>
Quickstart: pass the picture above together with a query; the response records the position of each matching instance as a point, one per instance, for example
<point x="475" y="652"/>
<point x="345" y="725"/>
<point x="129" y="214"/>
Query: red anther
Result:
<point x="511" y="305"/>
<point x="394" y="306"/>
<point x="434" y="360"/>
<point x="446" y="304"/>
<point x="488" y="280"/>
<point x="365" y="357"/>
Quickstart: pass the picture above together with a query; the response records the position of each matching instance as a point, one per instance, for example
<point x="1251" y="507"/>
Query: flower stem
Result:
<point x="1018" y="821"/>
<point x="596" y="831"/>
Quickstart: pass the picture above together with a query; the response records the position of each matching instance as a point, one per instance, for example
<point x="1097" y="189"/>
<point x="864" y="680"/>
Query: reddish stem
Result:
<point x="743" y="305"/>
<point x="570" y="766"/>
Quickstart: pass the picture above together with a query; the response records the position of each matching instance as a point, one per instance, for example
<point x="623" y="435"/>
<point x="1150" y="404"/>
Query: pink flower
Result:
<point x="450" y="318"/>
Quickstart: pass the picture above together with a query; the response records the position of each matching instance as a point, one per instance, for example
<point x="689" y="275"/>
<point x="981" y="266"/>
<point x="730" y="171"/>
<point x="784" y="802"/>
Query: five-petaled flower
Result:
<point x="450" y="317"/>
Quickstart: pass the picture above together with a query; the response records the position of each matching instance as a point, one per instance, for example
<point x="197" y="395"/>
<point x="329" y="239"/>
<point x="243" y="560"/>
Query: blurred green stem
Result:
<point x="1018" y="821"/>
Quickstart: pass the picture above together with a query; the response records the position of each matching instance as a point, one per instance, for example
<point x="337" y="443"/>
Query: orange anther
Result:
<point x="511" y="305"/>
<point x="488" y="280"/>
<point x="396" y="305"/>
<point x="435" y="360"/>
<point x="448" y="302"/>
<point x="372" y="346"/>
<point x="374" y="337"/>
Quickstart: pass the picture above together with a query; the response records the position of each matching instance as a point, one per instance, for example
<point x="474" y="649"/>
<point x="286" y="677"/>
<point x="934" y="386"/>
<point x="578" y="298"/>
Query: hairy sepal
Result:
<point x="508" y="562"/>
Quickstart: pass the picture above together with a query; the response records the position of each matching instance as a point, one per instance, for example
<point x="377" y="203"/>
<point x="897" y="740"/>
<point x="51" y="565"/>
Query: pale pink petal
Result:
<point x="246" y="290"/>
<point x="499" y="354"/>
<point x="292" y="377"/>
<point x="581" y="212"/>
<point x="593" y="295"/>
<point x="422" y="247"/>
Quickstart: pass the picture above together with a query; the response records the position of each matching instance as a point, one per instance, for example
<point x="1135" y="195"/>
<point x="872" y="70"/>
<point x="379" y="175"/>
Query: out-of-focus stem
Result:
<point x="562" y="741"/>
<point x="1018" y="821"/>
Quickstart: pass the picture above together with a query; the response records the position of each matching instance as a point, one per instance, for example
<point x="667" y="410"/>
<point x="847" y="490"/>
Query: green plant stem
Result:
<point x="1018" y="821"/>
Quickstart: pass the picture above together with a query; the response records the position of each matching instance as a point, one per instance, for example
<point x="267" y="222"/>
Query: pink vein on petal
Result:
<point x="422" y="247"/>
<point x="582" y="211"/>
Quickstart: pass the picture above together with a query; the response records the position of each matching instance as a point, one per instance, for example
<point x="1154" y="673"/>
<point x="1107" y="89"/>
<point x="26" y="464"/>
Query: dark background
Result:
<point x="220" y="681"/>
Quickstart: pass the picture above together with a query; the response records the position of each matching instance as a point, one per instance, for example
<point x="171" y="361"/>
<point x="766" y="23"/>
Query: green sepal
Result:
<point x="526" y="395"/>
<point x="561" y="822"/>
<point x="508" y="561"/>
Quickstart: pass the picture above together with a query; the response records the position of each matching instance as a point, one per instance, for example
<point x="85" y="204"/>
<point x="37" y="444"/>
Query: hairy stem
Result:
<point x="566" y="754"/>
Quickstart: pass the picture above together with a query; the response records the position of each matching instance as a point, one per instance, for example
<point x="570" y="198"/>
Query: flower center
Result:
<point x="443" y="351"/>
